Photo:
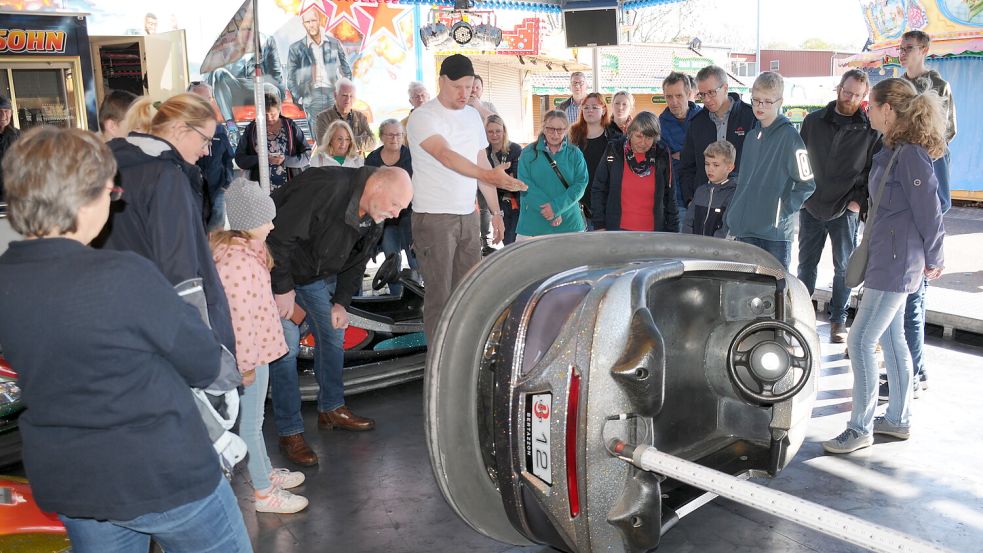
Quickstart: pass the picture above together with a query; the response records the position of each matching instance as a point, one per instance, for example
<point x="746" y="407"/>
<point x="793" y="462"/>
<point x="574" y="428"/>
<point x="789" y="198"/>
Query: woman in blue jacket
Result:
<point x="551" y="205"/>
<point x="905" y="246"/>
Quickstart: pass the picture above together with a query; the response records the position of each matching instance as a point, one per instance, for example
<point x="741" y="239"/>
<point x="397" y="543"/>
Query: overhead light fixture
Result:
<point x="488" y="34"/>
<point x="434" y="35"/>
<point x="462" y="32"/>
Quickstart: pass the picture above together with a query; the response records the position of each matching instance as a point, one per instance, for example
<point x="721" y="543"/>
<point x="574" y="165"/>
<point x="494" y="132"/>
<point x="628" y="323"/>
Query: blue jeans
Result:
<point x="216" y="220"/>
<point x="842" y="233"/>
<point x="397" y="238"/>
<point x="879" y="318"/>
<point x="212" y="524"/>
<point x="941" y="167"/>
<point x="329" y="359"/>
<point x="781" y="249"/>
<point x="252" y="408"/>
<point x="914" y="327"/>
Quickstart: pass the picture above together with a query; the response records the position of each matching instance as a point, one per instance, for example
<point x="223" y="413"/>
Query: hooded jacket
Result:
<point x="160" y="218"/>
<point x="317" y="231"/>
<point x="606" y="188"/>
<point x="774" y="180"/>
<point x="702" y="132"/>
<point x="840" y="157"/>
<point x="674" y="136"/>
<point x="906" y="235"/>
<point x="705" y="215"/>
<point x="545" y="187"/>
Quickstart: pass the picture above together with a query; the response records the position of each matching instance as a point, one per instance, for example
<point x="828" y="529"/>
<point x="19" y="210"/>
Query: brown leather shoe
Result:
<point x="295" y="448"/>
<point x="344" y="419"/>
<point x="838" y="333"/>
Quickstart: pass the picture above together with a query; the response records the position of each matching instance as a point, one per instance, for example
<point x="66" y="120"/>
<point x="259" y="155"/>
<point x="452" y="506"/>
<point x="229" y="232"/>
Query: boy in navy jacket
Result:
<point x="705" y="215"/>
<point x="774" y="178"/>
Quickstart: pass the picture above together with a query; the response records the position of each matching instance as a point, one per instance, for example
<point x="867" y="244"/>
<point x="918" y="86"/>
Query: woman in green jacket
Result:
<point x="551" y="205"/>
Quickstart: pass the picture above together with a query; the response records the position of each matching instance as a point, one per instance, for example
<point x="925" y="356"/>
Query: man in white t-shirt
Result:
<point x="447" y="142"/>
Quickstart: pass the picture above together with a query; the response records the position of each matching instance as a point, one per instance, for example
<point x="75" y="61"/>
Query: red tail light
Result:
<point x="573" y="405"/>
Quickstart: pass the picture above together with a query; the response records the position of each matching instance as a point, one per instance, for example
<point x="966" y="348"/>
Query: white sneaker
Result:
<point x="280" y="501"/>
<point x="286" y="479"/>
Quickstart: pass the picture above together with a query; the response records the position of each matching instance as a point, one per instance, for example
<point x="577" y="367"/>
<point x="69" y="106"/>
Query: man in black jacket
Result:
<point x="328" y="222"/>
<point x="841" y="144"/>
<point x="725" y="117"/>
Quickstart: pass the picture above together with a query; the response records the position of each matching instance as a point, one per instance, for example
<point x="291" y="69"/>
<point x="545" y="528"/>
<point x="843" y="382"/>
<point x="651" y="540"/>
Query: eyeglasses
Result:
<point x="208" y="140"/>
<point x="555" y="130"/>
<point x="851" y="95"/>
<point x="115" y="193"/>
<point x="392" y="135"/>
<point x="712" y="93"/>
<point x="762" y="103"/>
<point x="908" y="49"/>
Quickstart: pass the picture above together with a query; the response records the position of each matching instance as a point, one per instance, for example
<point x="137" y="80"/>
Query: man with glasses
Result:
<point x="912" y="53"/>
<point x="578" y="91"/>
<point x="841" y="144"/>
<point x="343" y="108"/>
<point x="724" y="117"/>
<point x="774" y="178"/>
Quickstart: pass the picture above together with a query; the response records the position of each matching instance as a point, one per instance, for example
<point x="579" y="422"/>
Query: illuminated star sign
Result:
<point x="385" y="20"/>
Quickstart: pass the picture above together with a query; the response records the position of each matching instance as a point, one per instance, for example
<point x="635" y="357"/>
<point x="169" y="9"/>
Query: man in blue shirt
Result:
<point x="674" y="120"/>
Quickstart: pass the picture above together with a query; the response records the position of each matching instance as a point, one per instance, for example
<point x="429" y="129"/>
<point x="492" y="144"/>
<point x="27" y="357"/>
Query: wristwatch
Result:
<point x="497" y="213"/>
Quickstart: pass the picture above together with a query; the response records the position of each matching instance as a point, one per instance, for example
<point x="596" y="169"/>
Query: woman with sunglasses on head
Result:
<point x="556" y="174"/>
<point x="501" y="150"/>
<point x="904" y="247"/>
<point x="289" y="152"/>
<point x="113" y="441"/>
<point x="591" y="134"/>
<point x="162" y="216"/>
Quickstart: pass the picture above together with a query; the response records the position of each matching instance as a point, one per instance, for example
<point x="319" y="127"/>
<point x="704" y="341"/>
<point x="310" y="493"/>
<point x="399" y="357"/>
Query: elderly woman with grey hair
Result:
<point x="113" y="441"/>
<point x="632" y="188"/>
<point x="397" y="234"/>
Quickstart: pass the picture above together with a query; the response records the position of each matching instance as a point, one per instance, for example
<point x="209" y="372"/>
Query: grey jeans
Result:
<point x="447" y="247"/>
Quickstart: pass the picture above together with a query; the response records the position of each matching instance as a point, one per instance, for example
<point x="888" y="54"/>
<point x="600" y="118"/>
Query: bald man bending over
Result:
<point x="327" y="224"/>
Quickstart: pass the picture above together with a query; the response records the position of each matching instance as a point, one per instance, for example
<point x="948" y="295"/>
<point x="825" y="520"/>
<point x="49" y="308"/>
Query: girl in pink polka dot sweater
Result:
<point x="244" y="264"/>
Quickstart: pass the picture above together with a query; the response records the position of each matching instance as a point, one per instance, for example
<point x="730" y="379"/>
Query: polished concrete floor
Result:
<point x="374" y="491"/>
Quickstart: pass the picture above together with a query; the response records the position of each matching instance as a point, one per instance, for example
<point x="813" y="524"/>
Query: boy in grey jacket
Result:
<point x="705" y="215"/>
<point x="775" y="177"/>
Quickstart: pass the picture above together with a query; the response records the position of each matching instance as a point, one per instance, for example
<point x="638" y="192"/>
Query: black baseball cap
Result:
<point x="5" y="102"/>
<point x="456" y="67"/>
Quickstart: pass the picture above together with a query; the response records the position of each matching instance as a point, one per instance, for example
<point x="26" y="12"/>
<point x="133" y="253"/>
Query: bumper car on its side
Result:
<point x="703" y="348"/>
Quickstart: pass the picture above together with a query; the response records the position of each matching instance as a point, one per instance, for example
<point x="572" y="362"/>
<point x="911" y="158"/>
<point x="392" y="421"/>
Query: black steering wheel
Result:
<point x="769" y="359"/>
<point x="388" y="272"/>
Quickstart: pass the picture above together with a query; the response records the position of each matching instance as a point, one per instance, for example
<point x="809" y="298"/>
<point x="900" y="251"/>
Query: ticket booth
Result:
<point x="46" y="70"/>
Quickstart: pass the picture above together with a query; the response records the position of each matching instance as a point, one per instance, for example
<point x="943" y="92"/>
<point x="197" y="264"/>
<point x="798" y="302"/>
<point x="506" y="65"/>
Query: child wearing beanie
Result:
<point x="244" y="265"/>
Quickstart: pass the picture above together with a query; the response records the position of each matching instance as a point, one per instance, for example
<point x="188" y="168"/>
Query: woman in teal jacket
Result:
<point x="551" y="206"/>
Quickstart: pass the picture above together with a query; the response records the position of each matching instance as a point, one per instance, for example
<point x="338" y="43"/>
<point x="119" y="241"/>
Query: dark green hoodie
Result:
<point x="773" y="182"/>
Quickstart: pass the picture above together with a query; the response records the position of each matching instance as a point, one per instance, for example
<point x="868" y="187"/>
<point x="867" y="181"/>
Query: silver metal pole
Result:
<point x="812" y="515"/>
<point x="595" y="70"/>
<point x="757" y="43"/>
<point x="262" y="150"/>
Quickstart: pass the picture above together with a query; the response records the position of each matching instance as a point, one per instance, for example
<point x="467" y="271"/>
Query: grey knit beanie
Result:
<point x="247" y="206"/>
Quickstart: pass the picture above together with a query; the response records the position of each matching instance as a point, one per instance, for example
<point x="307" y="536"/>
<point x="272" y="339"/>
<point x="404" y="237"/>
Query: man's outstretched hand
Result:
<point x="499" y="178"/>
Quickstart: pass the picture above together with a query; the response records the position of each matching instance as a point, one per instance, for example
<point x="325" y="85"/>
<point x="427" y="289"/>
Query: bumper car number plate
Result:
<point x="539" y="409"/>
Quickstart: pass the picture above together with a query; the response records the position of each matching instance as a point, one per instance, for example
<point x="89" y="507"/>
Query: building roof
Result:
<point x="638" y="68"/>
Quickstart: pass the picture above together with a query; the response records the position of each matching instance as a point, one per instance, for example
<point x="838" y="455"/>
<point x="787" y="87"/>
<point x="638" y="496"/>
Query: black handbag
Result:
<point x="856" y="268"/>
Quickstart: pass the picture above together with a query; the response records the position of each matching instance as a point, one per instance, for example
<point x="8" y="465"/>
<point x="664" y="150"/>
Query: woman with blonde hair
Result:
<point x="501" y="150"/>
<point x="622" y="106"/>
<point x="163" y="218"/>
<point x="337" y="148"/>
<point x="904" y="235"/>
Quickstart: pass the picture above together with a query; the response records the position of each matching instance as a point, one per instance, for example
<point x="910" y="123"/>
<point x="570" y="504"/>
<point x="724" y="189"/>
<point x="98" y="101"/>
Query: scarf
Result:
<point x="641" y="168"/>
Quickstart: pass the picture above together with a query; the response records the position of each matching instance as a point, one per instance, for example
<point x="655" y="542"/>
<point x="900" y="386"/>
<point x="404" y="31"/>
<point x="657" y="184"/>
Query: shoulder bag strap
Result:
<point x="877" y="195"/>
<point x="556" y="169"/>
